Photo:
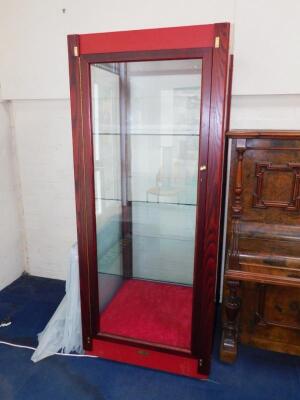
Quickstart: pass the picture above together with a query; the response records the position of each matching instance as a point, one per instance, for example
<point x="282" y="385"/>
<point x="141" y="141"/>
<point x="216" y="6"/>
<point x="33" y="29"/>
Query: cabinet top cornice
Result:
<point x="264" y="134"/>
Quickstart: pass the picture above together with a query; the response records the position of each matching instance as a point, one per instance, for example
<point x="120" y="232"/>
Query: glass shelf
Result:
<point x="147" y="202"/>
<point x="144" y="134"/>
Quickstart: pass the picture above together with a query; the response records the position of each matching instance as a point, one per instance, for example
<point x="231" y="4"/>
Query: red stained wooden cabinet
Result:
<point x="148" y="116"/>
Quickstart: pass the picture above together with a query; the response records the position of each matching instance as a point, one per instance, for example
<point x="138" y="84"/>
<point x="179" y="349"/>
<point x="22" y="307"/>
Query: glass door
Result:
<point x="146" y="124"/>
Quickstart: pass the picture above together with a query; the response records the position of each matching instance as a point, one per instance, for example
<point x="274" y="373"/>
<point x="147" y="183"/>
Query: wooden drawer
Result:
<point x="270" y="317"/>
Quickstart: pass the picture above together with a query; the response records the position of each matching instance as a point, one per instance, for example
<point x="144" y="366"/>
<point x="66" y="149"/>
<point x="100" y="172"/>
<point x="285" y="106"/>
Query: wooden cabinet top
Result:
<point x="264" y="134"/>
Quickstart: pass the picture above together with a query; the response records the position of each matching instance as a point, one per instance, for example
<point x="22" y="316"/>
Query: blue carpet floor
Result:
<point x="31" y="301"/>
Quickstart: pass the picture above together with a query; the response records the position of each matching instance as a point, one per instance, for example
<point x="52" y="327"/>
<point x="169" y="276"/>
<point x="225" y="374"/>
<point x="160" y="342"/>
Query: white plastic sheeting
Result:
<point x="63" y="331"/>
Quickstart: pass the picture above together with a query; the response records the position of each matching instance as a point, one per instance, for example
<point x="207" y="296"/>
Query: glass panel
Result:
<point x="146" y="122"/>
<point x="164" y="168"/>
<point x="163" y="242"/>
<point x="107" y="172"/>
<point x="164" y="97"/>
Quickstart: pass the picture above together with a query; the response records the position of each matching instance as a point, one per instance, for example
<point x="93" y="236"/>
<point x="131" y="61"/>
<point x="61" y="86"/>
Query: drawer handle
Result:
<point x="143" y="353"/>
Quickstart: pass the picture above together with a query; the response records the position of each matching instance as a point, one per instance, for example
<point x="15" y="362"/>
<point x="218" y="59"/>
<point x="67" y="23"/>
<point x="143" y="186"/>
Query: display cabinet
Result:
<point x="148" y="114"/>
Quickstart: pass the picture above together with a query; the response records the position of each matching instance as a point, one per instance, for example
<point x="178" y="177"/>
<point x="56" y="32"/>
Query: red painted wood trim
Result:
<point x="146" y="345"/>
<point x="148" y="39"/>
<point x="147" y="358"/>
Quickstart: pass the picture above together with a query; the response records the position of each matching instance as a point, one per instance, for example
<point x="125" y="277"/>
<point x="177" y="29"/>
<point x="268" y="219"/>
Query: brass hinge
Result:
<point x="76" y="52"/>
<point x="200" y="362"/>
<point x="203" y="168"/>
<point x="217" y="42"/>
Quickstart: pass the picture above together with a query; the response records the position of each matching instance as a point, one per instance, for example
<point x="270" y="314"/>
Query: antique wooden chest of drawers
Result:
<point x="261" y="303"/>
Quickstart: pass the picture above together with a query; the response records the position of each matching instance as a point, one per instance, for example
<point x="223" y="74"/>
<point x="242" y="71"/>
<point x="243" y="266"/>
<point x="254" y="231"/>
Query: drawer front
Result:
<point x="270" y="315"/>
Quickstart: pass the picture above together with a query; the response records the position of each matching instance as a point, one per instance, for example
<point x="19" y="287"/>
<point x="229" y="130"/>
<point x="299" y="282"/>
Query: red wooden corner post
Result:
<point x="79" y="175"/>
<point x="209" y="256"/>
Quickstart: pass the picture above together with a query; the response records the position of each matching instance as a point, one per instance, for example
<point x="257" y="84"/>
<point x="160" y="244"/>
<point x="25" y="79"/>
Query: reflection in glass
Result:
<point x="146" y="121"/>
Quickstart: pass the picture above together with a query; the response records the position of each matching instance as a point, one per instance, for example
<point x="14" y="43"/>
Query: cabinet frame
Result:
<point x="211" y="44"/>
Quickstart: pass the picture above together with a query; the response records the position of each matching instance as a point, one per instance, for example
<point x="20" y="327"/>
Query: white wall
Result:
<point x="266" y="112"/>
<point x="34" y="76"/>
<point x="44" y="148"/>
<point x="37" y="30"/>
<point x="12" y="262"/>
<point x="266" y="39"/>
<point x="266" y="47"/>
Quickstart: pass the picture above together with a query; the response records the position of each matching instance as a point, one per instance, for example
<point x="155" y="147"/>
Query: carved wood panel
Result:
<point x="293" y="171"/>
